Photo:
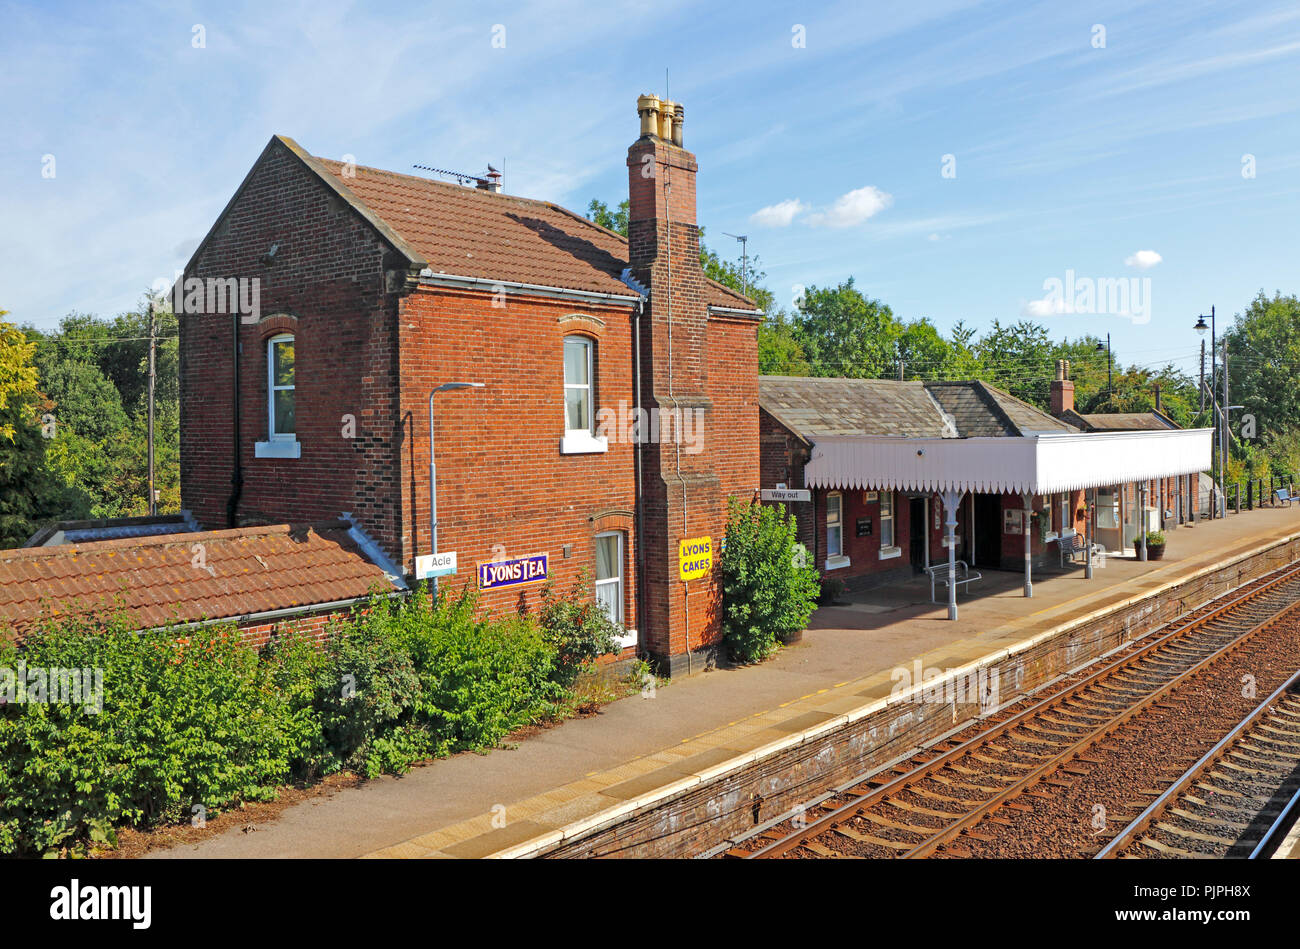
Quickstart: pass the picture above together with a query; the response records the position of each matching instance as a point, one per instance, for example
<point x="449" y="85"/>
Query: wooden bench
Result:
<point x="939" y="571"/>
<point x="1283" y="496"/>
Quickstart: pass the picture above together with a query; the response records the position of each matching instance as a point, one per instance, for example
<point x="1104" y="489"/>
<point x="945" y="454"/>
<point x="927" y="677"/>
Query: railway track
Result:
<point x="933" y="802"/>
<point x="1238" y="800"/>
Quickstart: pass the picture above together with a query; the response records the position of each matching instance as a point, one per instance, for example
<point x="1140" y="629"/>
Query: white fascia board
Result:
<point x="1037" y="464"/>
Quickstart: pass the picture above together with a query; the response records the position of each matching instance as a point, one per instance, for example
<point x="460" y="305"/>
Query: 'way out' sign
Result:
<point x="695" y="557"/>
<point x="435" y="565"/>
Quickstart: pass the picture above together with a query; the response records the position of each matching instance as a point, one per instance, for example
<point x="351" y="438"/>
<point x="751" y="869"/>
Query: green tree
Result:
<point x="843" y="333"/>
<point x="779" y="352"/>
<point x="616" y="220"/>
<point x="29" y="495"/>
<point x="1264" y="358"/>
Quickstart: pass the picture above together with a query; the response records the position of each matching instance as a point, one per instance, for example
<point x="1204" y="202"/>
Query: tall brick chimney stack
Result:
<point x="1062" y="389"/>
<point x="681" y="496"/>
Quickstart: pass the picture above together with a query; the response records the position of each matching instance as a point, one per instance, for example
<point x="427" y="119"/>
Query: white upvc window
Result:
<point x="609" y="575"/>
<point x="886" y="519"/>
<point x="281" y="398"/>
<point x="280" y="388"/>
<point x="579" y="401"/>
<point x="609" y="583"/>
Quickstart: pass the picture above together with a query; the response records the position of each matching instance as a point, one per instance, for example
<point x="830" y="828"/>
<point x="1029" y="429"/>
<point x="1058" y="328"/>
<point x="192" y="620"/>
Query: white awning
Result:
<point x="1033" y="464"/>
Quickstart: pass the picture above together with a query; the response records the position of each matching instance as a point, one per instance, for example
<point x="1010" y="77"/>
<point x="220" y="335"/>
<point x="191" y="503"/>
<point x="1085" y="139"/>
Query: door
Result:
<point x="916" y="533"/>
<point x="988" y="529"/>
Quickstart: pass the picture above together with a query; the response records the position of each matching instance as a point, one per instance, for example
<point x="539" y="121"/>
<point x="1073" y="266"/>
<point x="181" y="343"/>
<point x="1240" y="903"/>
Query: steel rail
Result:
<point x="859" y="804"/>
<point x="1143" y="821"/>
<point x="1053" y="764"/>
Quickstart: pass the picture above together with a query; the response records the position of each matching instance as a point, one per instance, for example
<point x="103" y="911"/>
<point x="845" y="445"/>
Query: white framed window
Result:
<point x="609" y="583"/>
<point x="609" y="574"/>
<point x="280" y="388"/>
<point x="281" y="399"/>
<point x="886" y="520"/>
<point x="835" y="531"/>
<point x="577" y="384"/>
<point x="579" y="398"/>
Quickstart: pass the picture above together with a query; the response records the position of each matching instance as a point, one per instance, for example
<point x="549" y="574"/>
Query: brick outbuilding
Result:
<point x="330" y="300"/>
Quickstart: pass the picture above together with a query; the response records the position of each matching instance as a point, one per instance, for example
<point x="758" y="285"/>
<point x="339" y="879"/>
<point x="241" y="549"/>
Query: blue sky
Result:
<point x="1069" y="155"/>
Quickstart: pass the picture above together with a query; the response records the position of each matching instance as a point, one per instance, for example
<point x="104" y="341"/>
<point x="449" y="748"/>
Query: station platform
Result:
<point x="588" y="771"/>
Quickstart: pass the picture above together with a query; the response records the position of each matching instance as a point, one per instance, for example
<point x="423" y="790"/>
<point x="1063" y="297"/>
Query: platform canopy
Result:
<point x="1044" y="463"/>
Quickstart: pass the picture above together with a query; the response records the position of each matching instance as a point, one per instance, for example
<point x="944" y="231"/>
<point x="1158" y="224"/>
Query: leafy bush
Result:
<point x="186" y="720"/>
<point x="768" y="588"/>
<point x="364" y="689"/>
<point x="198" y="718"/>
<point x="480" y="679"/>
<point x="576" y="628"/>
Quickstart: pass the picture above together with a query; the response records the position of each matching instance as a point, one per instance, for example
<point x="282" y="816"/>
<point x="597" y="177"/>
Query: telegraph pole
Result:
<point x="153" y="339"/>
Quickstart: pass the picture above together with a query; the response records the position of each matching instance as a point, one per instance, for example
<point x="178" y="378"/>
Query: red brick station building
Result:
<point x="411" y="333"/>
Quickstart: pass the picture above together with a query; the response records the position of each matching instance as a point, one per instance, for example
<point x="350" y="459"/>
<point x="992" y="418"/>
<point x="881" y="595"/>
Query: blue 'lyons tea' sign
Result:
<point x="495" y="574"/>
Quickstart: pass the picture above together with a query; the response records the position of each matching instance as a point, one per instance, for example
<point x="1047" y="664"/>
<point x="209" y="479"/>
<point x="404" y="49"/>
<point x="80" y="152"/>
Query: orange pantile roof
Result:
<point x="467" y="232"/>
<point x="163" y="579"/>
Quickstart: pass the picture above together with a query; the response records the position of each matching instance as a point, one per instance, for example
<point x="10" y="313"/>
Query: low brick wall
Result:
<point x="703" y="817"/>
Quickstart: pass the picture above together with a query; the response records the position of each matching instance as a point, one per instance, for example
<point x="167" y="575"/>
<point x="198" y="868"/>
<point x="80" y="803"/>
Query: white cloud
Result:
<point x="853" y="208"/>
<point x="780" y="214"/>
<point x="1143" y="259"/>
<point x="1048" y="306"/>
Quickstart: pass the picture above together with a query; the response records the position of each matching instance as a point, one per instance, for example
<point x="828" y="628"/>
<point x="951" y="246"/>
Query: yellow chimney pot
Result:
<point x="666" y="120"/>
<point x="647" y="107"/>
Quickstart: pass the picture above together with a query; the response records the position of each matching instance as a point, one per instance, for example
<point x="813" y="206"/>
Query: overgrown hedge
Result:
<point x="199" y="720"/>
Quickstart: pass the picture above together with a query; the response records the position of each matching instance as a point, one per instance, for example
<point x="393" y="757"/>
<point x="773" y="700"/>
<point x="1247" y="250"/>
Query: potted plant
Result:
<point x="1155" y="544"/>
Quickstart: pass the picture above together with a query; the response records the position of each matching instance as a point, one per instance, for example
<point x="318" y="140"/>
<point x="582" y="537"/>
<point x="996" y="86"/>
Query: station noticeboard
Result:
<point x="694" y="557"/>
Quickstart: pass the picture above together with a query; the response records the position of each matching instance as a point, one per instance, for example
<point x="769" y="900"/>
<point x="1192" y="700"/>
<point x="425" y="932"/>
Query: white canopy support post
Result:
<point x="1029" y="543"/>
<point x="1089" y="505"/>
<point x="1142" y="521"/>
<point x="951" y="505"/>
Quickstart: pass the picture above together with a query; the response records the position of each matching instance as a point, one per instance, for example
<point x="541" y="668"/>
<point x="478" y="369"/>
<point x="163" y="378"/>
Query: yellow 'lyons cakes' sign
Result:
<point x="695" y="557"/>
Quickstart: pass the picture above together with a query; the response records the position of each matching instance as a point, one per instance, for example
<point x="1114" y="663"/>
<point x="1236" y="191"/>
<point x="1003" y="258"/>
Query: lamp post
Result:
<point x="1109" y="392"/>
<point x="1220" y="431"/>
<point x="433" y="471"/>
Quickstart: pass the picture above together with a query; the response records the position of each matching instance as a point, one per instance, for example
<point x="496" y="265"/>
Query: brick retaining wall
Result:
<point x="705" y="816"/>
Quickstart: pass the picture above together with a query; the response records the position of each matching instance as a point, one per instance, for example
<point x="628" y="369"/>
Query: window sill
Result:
<point x="889" y="553"/>
<point x="583" y="443"/>
<point x="836" y="563"/>
<point x="278" y="449"/>
<point x="628" y="638"/>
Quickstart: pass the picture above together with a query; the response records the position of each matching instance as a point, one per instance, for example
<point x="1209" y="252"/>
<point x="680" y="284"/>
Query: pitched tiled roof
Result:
<point x="248" y="570"/>
<point x="820" y="406"/>
<point x="1025" y="418"/>
<point x="468" y="232"/>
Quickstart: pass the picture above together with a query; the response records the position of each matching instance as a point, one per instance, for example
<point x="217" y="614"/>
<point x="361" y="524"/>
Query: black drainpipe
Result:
<point x="237" y="471"/>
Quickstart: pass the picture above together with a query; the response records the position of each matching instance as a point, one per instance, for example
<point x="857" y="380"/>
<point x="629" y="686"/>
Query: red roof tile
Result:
<point x="467" y="232"/>
<point x="153" y="579"/>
